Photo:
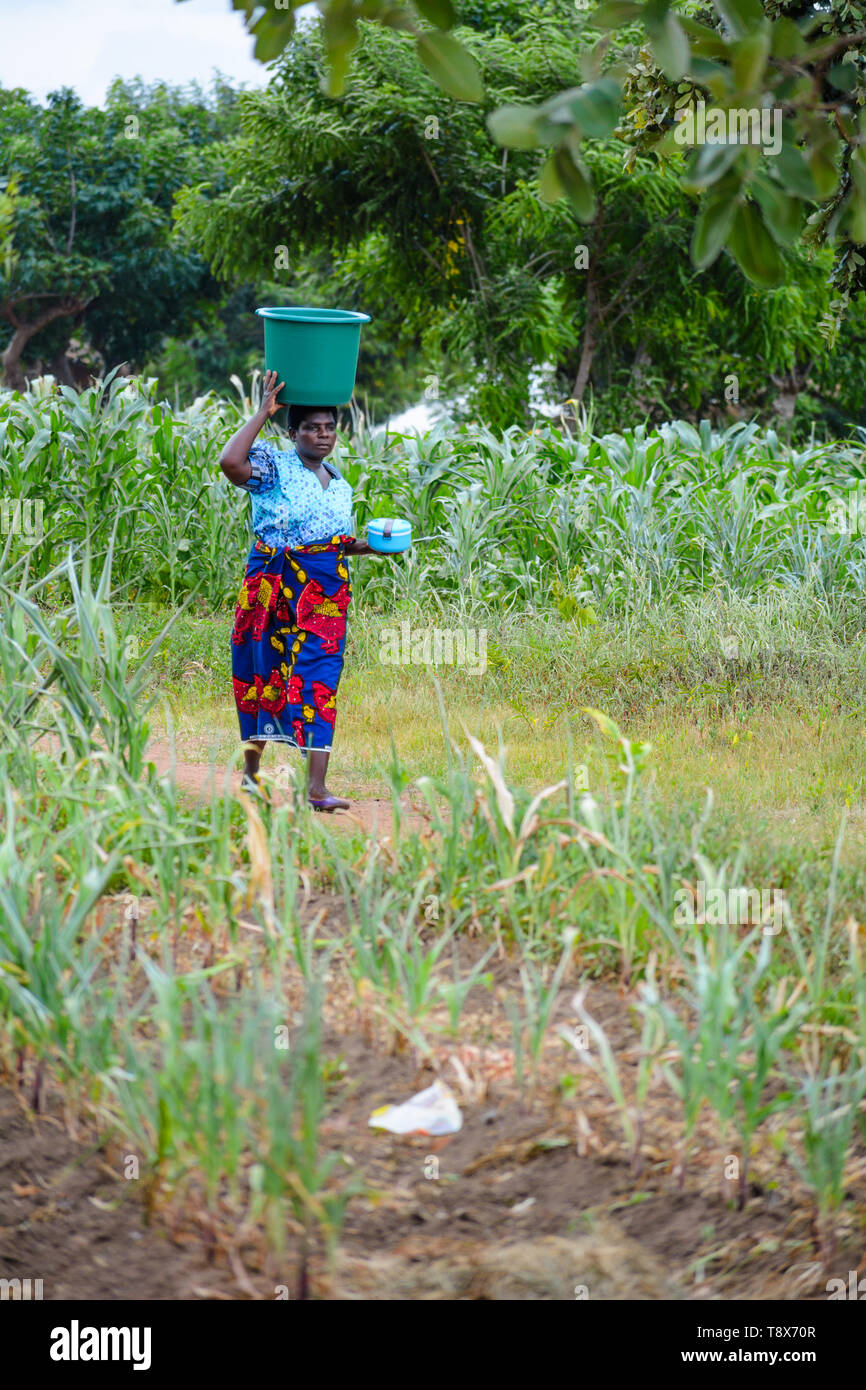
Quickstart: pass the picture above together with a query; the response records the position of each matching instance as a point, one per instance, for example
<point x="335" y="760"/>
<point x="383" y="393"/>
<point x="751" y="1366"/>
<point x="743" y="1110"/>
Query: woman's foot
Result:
<point x="317" y="793"/>
<point x="250" y="780"/>
<point x="321" y="800"/>
<point x="252" y="786"/>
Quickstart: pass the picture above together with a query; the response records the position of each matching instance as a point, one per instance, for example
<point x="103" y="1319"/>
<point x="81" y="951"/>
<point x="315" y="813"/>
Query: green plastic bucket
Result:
<point x="314" y="351"/>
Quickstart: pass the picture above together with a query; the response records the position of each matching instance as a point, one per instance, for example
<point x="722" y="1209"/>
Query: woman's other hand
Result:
<point x="270" y="391"/>
<point x="360" y="548"/>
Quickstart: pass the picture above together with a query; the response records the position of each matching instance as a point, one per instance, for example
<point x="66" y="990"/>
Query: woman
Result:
<point x="290" y="622"/>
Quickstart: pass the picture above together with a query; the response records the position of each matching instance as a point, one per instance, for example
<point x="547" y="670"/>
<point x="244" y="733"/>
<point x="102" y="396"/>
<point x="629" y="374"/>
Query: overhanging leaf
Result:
<point x="339" y="25"/>
<point x="754" y="249"/>
<point x="824" y="172"/>
<point x="710" y="163"/>
<point x="614" y="13"/>
<point x="272" y="32"/>
<point x="596" y="108"/>
<point x="334" y="81"/>
<point x="856" y="210"/>
<point x="340" y="32"/>
<point x="712" y="227"/>
<point x="451" y="66"/>
<point x="749" y="59"/>
<point x="787" y="41"/>
<point x="843" y="77"/>
<point x="783" y="213"/>
<point x="669" y="45"/>
<point x="550" y="187"/>
<point x="741" y="16"/>
<point x="855" y="215"/>
<point x="438" y="12"/>
<point x="794" y="172"/>
<point x="576" y="183"/>
<point x="514" y="126"/>
<point x="702" y="39"/>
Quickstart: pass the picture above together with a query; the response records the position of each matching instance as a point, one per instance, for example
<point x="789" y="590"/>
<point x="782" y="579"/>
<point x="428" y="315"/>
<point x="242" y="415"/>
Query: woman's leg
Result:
<point x="252" y="757"/>
<point x="316" y="583"/>
<point x="245" y="647"/>
<point x="317" y="770"/>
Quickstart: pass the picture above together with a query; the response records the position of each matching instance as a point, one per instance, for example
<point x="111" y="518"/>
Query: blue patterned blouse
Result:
<point x="290" y="506"/>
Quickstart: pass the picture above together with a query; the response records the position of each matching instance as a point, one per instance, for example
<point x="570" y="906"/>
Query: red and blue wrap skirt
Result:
<point x="288" y="640"/>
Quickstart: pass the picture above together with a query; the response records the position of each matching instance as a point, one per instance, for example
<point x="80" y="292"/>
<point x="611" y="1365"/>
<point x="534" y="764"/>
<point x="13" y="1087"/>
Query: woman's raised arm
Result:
<point x="234" y="460"/>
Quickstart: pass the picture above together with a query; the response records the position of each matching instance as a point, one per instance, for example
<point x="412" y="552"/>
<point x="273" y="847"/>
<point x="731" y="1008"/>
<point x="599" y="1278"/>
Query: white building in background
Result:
<point x="425" y="414"/>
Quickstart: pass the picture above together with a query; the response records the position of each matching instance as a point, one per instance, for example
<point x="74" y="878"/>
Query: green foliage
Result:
<point x="729" y="1045"/>
<point x="130" y="469"/>
<point x="830" y="1099"/>
<point x="88" y="226"/>
<point x="590" y="526"/>
<point x="471" y="277"/>
<point x="738" y="58"/>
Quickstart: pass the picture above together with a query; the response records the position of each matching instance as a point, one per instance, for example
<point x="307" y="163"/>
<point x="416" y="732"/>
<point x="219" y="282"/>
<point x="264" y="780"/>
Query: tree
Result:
<point x="393" y="182"/>
<point x="86" y="219"/>
<point x="801" y="59"/>
<point x="447" y="242"/>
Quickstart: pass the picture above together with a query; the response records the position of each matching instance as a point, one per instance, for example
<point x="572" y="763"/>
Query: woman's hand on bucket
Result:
<point x="270" y="391"/>
<point x="234" y="459"/>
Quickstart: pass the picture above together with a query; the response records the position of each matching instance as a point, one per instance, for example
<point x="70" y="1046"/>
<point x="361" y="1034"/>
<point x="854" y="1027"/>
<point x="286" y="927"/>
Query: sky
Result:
<point x="47" y="44"/>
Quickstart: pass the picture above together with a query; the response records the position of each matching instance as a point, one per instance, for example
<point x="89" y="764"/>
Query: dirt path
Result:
<point x="532" y="1198"/>
<point x="374" y="814"/>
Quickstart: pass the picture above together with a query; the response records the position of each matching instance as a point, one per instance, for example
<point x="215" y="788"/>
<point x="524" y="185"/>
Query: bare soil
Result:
<point x="508" y="1208"/>
<point x="532" y="1199"/>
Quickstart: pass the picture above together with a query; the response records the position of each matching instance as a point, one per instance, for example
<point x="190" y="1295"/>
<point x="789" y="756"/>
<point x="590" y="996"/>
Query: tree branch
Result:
<point x="839" y="45"/>
<point x="479" y="272"/>
<point x="10" y="359"/>
<point x="430" y="167"/>
<point x="425" y="252"/>
<point x="71" y="237"/>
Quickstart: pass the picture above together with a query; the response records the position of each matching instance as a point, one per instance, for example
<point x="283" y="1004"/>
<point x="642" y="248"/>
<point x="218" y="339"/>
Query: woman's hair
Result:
<point x="299" y="413"/>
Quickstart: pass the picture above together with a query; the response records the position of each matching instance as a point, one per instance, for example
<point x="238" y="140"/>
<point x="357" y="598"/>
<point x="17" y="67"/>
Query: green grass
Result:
<point x="781" y="740"/>
<point x="706" y="610"/>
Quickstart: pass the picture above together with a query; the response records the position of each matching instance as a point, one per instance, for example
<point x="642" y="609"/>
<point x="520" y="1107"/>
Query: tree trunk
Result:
<point x="593" y="314"/>
<point x="60" y="370"/>
<point x="10" y="360"/>
<point x="788" y="386"/>
<point x="590" y="340"/>
<point x="70" y="372"/>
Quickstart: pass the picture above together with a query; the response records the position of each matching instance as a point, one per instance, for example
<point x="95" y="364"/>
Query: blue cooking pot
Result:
<point x="389" y="534"/>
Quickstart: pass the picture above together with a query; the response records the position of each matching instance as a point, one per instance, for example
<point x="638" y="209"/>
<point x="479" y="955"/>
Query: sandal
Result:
<point x="328" y="803"/>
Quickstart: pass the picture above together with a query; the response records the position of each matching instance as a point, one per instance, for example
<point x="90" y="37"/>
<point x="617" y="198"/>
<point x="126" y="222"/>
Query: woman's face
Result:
<point x="316" y="435"/>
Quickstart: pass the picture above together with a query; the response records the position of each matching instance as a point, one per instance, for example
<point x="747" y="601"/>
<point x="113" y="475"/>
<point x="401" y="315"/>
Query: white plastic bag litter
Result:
<point x="434" y="1111"/>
